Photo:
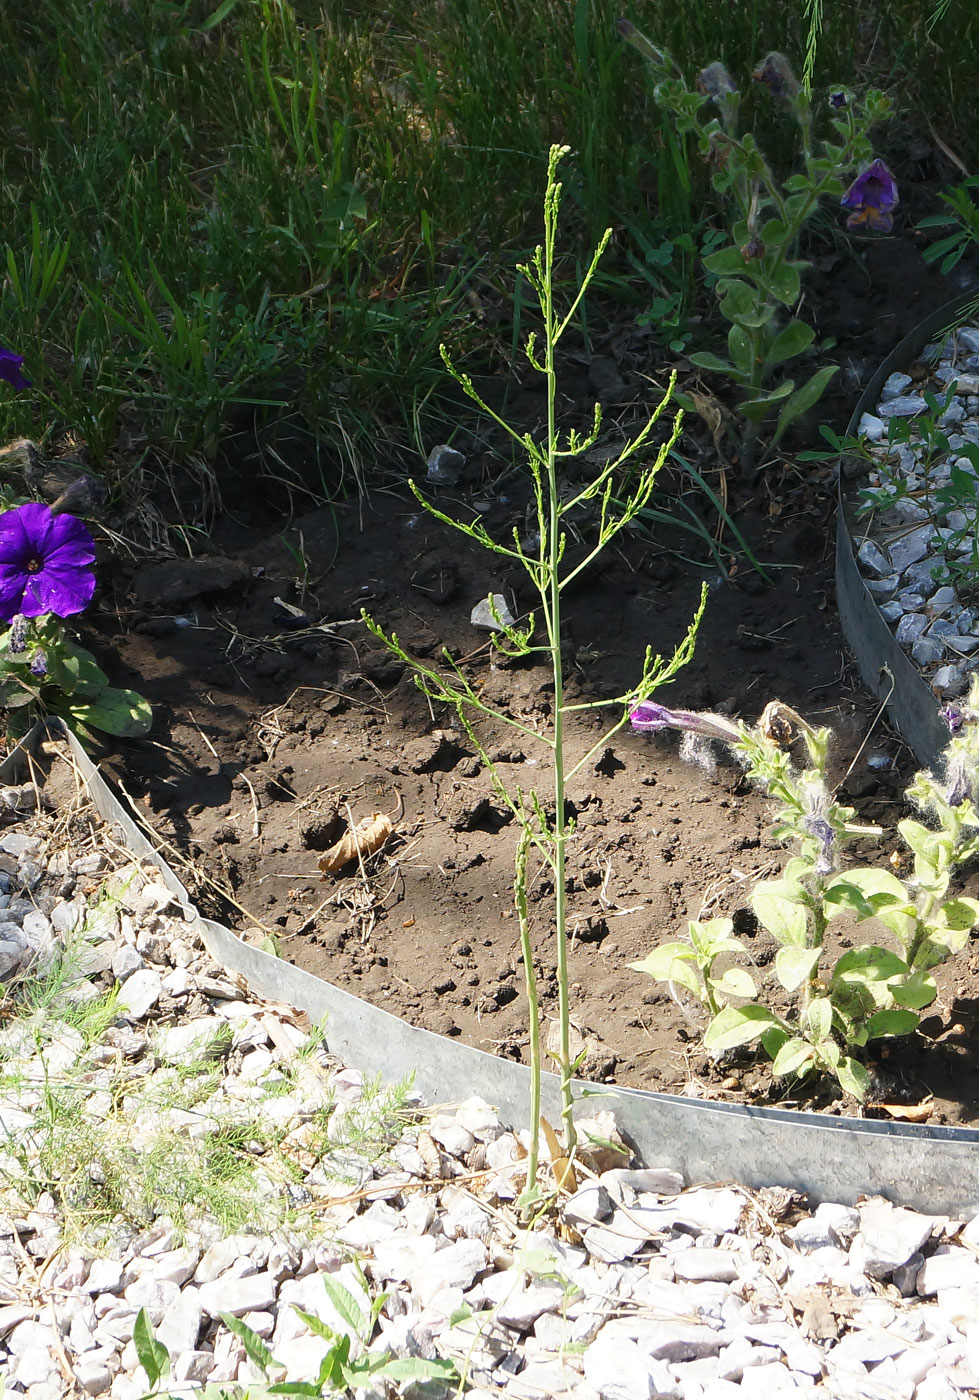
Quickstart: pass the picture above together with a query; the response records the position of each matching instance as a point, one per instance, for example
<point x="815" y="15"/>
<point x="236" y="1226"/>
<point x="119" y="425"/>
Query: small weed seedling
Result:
<point x="870" y="992"/>
<point x="544" y="826"/>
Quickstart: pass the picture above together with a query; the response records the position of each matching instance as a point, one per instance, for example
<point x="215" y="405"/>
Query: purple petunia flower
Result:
<point x="45" y="563"/>
<point x="39" y="665"/>
<point x="872" y="196"/>
<point x="10" y="369"/>
<point x="649" y="717"/>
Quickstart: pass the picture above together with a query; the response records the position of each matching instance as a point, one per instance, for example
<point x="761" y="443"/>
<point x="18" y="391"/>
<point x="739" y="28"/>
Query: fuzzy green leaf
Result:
<point x="792" y="340"/>
<point x="916" y="990"/>
<point x="804" y="398"/>
<point x="735" y="982"/>
<point x="726" y="262"/>
<point x="703" y="359"/>
<point x="795" y="965"/>
<point x="736" y="1026"/>
<point x="780" y="908"/>
<point x="671" y="963"/>
<point x="854" y="1078"/>
<point x="961" y="913"/>
<point x="819" y="1018"/>
<point x="782" y="282"/>
<point x="119" y="712"/>
<point x="795" y="1057"/>
<point x="739" y="348"/>
<point x="891" y="1022"/>
<point x="870" y="967"/>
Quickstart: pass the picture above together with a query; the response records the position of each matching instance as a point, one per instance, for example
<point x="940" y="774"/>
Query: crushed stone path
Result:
<point x="128" y="1062"/>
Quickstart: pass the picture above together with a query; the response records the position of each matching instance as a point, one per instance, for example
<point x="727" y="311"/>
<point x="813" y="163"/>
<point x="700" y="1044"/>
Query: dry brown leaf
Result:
<point x="364" y="839"/>
<point x="429" y="1153"/>
<point x="561" y="1166"/>
<point x="907" y="1112"/>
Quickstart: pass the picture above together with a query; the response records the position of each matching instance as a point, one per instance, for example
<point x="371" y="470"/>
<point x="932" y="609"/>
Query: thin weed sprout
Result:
<point x="544" y="828"/>
<point x="870" y="992"/>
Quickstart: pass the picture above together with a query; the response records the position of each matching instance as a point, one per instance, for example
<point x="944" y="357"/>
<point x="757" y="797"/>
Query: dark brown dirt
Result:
<point x="275" y="724"/>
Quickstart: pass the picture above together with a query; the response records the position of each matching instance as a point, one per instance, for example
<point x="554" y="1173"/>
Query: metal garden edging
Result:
<point x="934" y="1169"/>
<point x="885" y="669"/>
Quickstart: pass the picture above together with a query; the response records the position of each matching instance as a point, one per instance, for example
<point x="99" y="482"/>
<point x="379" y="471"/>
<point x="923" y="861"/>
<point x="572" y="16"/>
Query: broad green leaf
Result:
<point x="782" y="282"/>
<point x="891" y="1022"/>
<point x="703" y="359"/>
<point x="804" y="398"/>
<point x="873" y="893"/>
<point x="790" y="341"/>
<point x="795" y="965"/>
<point x="854" y="1078"/>
<point x="738" y="302"/>
<point x="672" y="963"/>
<point x="255" y="1349"/>
<point x="736" y="1026"/>
<point x="417" y="1368"/>
<point x="726" y="262"/>
<point x="739" y="348"/>
<point x="869" y="968"/>
<point x="153" y="1355"/>
<point x="735" y="982"/>
<point x="938" y="946"/>
<point x="713" y="936"/>
<point x="347" y="1306"/>
<point x="773" y="1039"/>
<point x="916" y="990"/>
<point x="961" y="913"/>
<point x="829" y="1052"/>
<point x="795" y="1057"/>
<point x="780" y="908"/>
<point x="754" y="408"/>
<point x="119" y="712"/>
<point x="819" y="1018"/>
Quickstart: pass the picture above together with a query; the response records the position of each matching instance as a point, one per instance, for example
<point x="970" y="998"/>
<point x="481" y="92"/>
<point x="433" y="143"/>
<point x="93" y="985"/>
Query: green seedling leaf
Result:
<point x="416" y="1368"/>
<point x="153" y="1355"/>
<point x="819" y="1018"/>
<point x="757" y="407"/>
<point x="780" y="908"/>
<point x="804" y="398"/>
<point x="773" y="1039"/>
<point x="783" y="282"/>
<point x="795" y="1057"/>
<point x="872" y="893"/>
<point x="829" y="1053"/>
<point x="705" y="360"/>
<point x="735" y="982"/>
<point x="739" y="348"/>
<point x="119" y="712"/>
<point x="793" y="966"/>
<point x="736" y="1026"/>
<point x="672" y="963"/>
<point x="347" y="1306"/>
<point x="792" y="340"/>
<point x="255" y="1349"/>
<point x="854" y="1078"/>
<point x="709" y="937"/>
<point x="726" y="262"/>
<point x="915" y="991"/>
<point x="891" y="1022"/>
<point x="870" y="968"/>
<point x="960" y="914"/>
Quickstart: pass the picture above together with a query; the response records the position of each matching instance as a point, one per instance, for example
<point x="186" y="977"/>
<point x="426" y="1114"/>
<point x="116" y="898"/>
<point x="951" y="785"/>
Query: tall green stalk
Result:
<point x="615" y="504"/>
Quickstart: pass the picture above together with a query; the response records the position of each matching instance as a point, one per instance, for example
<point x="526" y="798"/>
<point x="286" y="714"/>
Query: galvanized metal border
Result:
<point x="884" y="667"/>
<point x="934" y="1169"/>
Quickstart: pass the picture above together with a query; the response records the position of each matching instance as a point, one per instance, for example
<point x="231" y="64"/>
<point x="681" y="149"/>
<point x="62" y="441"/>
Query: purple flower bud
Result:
<point x="716" y="82"/>
<point x="18" y="633"/>
<point x="649" y="717"/>
<point x="39" y="664"/>
<point x="958" y="784"/>
<point x="872" y="196"/>
<point x="838" y="100"/>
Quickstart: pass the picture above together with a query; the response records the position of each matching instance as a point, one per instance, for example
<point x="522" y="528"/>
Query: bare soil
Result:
<point x="279" y="718"/>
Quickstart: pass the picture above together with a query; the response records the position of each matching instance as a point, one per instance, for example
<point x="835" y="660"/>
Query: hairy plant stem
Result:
<point x="533" y="1001"/>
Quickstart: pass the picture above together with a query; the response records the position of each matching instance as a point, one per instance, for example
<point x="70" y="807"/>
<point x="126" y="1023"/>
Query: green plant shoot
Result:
<point x="543" y="823"/>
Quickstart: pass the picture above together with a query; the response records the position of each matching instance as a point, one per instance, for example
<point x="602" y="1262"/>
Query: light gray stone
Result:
<point x="618" y="1370"/>
<point x="92" y="1377"/>
<point x="888" y="1236"/>
<point x="698" y="1265"/>
<point x="238" y="1296"/>
<point x="482" y="614"/>
<point x="873" y="559"/>
<point x="909" y="548"/>
<point x="894" y="385"/>
<point x="927" y="651"/>
<point x="902" y="406"/>
<point x="180" y="1326"/>
<point x="910" y="628"/>
<point x="948" y="1268"/>
<point x="871" y="427"/>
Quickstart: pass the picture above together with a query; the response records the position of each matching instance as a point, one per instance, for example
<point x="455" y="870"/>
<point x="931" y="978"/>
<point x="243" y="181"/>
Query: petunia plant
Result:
<point x="47" y="575"/>
<point x="814" y="1013"/>
<point x="757" y="275"/>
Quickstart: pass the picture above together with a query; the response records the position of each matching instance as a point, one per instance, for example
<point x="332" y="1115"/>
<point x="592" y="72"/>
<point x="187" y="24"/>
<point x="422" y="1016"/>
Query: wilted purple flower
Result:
<point x="958" y="781"/>
<point x="45" y="563"/>
<point x="716" y="82"/>
<point x="10" y="369"/>
<point x="18" y="634"/>
<point x="649" y="717"/>
<point x="953" y="717"/>
<point x="39" y="664"/>
<point x="872" y="196"/>
<point x="817" y="825"/>
<point x="776" y="73"/>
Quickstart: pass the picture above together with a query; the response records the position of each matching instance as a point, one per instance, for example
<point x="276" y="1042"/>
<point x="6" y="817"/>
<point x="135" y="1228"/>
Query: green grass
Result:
<point x="217" y="217"/>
